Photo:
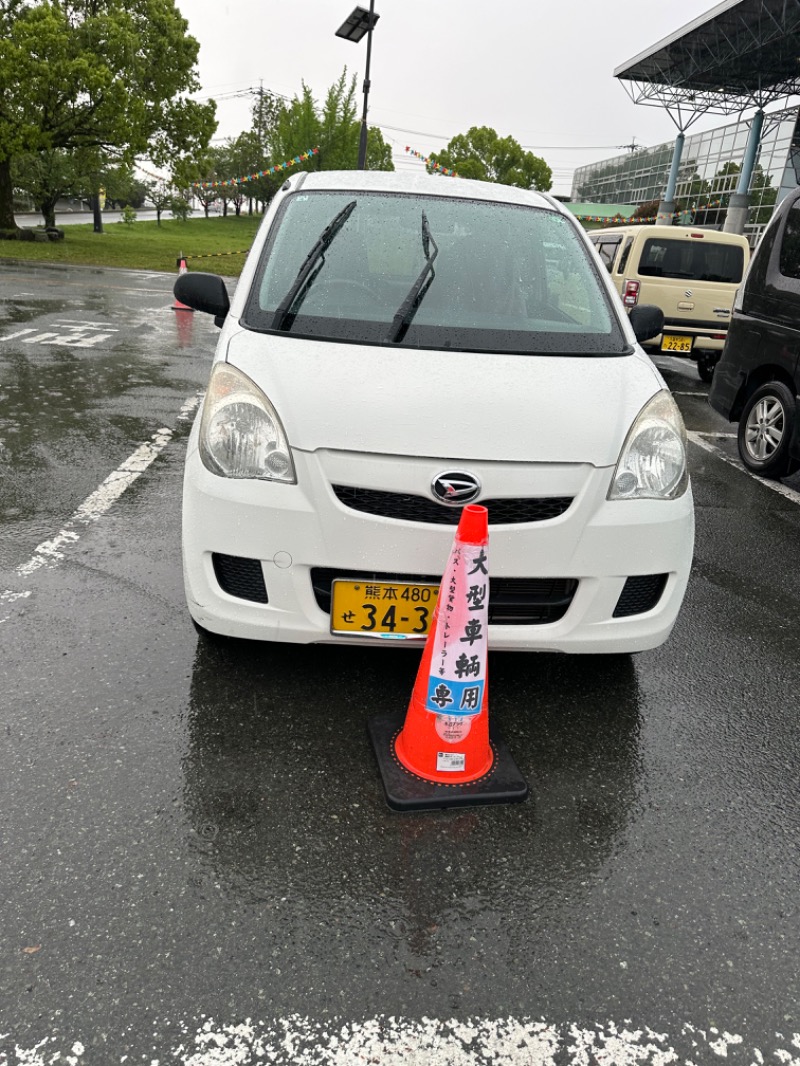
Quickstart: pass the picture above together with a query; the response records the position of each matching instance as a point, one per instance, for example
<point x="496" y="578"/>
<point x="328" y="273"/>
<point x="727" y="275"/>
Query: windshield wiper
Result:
<point x="408" y="308"/>
<point x="316" y="257"/>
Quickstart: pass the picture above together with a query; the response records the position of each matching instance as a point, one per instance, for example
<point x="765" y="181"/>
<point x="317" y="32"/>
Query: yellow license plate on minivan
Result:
<point x="387" y="609"/>
<point x="672" y="343"/>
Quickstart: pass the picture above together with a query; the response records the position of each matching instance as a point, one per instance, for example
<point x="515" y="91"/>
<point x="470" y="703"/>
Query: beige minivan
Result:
<point x="691" y="274"/>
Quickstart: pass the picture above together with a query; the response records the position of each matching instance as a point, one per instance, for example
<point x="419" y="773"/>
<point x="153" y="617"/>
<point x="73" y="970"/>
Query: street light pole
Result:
<point x="353" y="29"/>
<point x="362" y="143"/>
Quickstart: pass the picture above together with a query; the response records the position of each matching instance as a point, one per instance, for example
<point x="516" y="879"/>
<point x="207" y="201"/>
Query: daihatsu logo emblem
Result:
<point x="455" y="488"/>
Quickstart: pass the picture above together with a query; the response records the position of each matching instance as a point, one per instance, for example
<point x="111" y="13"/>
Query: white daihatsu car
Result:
<point x="398" y="347"/>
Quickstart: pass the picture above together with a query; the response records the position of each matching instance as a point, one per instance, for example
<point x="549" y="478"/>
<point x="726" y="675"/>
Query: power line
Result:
<point x="527" y="147"/>
<point x="252" y="90"/>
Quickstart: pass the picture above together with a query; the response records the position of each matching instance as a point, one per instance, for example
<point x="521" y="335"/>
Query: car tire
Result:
<point x="765" y="430"/>
<point x="706" y="361"/>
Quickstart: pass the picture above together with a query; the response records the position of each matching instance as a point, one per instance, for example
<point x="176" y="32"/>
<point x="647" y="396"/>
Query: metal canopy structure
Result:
<point x="740" y="53"/>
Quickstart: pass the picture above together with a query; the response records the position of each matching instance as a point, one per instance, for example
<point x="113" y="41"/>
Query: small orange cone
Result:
<point x="180" y="262"/>
<point x="443" y="754"/>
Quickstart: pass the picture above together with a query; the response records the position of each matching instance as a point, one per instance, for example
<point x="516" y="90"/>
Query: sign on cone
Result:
<point x="443" y="753"/>
<point x="446" y="733"/>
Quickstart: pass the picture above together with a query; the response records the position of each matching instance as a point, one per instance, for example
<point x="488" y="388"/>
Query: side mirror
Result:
<point x="203" y="292"/>
<point x="647" y="321"/>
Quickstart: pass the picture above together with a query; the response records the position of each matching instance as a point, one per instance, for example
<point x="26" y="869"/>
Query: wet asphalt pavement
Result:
<point x="197" y="863"/>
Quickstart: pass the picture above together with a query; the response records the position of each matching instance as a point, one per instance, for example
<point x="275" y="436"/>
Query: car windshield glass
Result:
<point x="313" y="263"/>
<point x="508" y="278"/>
<point x="692" y="260"/>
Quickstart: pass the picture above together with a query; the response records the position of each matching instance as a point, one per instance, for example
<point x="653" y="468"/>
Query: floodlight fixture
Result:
<point x="357" y="24"/>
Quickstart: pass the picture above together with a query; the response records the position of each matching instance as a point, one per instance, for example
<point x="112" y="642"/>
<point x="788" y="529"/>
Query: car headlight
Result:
<point x="652" y="463"/>
<point x="241" y="435"/>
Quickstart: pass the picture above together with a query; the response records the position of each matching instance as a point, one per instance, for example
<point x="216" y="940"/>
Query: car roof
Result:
<point x="424" y="184"/>
<point x="675" y="232"/>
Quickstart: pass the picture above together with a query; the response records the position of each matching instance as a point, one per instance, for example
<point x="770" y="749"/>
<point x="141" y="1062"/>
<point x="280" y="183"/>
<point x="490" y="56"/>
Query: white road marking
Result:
<point x="78" y="334"/>
<point x="775" y="486"/>
<point x="393" y="1041"/>
<point x="69" y="324"/>
<point x="49" y="552"/>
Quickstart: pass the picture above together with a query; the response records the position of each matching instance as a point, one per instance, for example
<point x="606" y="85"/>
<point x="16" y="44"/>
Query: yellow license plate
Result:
<point x="670" y="343"/>
<point x="386" y="609"/>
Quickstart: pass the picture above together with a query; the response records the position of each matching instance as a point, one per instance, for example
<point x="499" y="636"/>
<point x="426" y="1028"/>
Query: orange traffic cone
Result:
<point x="180" y="262"/>
<point x="443" y="754"/>
<point x="446" y="733"/>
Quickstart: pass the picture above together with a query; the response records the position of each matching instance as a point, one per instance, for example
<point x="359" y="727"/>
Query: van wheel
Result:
<point x="765" y="430"/>
<point x="706" y="361"/>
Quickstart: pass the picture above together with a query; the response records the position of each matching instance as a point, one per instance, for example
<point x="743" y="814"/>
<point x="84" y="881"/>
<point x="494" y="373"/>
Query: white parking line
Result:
<point x="471" y="1041"/>
<point x="775" y="486"/>
<point x="49" y="552"/>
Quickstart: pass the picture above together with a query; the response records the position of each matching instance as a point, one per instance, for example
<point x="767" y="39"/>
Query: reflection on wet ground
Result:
<point x="84" y="378"/>
<point x="273" y="829"/>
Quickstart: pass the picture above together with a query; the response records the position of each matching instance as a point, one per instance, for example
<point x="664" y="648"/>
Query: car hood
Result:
<point x="449" y="404"/>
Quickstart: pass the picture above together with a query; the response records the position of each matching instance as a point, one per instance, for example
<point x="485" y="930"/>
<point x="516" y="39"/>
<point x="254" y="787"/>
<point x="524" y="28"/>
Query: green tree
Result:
<point x="46" y="176"/>
<point x="692" y="191"/>
<point x="242" y="158"/>
<point x="200" y="175"/>
<point x="725" y="181"/>
<point x="483" y="155"/>
<point x="95" y="74"/>
<point x="160" y="194"/>
<point x="123" y="188"/>
<point x="50" y="174"/>
<point x="648" y="210"/>
<point x="763" y="195"/>
<point x="266" y="109"/>
<point x="762" y="192"/>
<point x="333" y="127"/>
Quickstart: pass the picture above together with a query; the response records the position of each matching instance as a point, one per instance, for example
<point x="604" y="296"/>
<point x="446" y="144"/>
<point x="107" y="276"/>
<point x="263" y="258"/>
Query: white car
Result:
<point x="398" y="347"/>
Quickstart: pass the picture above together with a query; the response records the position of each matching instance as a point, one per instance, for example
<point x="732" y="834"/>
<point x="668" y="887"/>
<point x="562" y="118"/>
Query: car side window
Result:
<point x="607" y="250"/>
<point x="789" y="261"/>
<point x="623" y="259"/>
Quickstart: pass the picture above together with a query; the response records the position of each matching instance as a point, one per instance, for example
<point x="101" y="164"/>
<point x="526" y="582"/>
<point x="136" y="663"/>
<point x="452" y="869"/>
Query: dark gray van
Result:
<point x="757" y="381"/>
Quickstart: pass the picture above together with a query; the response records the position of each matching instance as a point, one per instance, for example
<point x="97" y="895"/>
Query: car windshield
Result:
<point x="506" y="278"/>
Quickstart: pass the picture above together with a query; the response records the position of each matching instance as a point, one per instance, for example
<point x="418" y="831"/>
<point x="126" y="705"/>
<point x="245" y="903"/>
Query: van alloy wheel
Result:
<point x="765" y="430"/>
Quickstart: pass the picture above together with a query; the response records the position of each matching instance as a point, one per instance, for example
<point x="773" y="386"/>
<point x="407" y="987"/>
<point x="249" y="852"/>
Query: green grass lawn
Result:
<point x="148" y="246"/>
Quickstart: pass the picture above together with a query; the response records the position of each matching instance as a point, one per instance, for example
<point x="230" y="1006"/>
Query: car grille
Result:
<point x="640" y="594"/>
<point x="240" y="577"/>
<point x="521" y="601"/>
<point x="408" y="508"/>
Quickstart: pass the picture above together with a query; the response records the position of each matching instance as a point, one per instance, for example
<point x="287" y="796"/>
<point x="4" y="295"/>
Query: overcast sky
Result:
<point x="541" y="72"/>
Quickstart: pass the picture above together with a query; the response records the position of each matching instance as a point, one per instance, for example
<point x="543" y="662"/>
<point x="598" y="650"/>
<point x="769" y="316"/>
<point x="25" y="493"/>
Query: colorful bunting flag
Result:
<point x="621" y="219"/>
<point x="260" y="174"/>
<point x="437" y="167"/>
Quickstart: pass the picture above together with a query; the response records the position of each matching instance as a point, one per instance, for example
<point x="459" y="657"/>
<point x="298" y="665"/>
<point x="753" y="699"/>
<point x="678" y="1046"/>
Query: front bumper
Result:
<point x="293" y="529"/>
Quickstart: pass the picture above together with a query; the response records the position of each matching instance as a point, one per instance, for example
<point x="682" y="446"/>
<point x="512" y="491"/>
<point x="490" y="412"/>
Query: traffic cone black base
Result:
<point x="405" y="791"/>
